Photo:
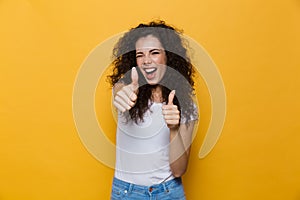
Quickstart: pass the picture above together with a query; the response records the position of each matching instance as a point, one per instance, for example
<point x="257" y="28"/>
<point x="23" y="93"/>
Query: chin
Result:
<point x="152" y="82"/>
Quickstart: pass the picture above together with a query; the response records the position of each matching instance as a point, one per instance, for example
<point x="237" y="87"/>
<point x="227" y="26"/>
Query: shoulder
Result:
<point x="192" y="116"/>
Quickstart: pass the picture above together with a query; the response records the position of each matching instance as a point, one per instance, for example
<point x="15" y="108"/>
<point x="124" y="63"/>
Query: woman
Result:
<point x="156" y="113"/>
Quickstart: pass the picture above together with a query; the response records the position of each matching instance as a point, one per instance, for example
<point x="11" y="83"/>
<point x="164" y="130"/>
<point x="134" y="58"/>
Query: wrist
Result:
<point x="117" y="87"/>
<point x="174" y="131"/>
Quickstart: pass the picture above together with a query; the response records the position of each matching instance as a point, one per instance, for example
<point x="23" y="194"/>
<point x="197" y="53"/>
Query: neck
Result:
<point x="157" y="95"/>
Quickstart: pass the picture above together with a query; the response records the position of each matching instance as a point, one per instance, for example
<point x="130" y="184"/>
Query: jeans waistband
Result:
<point x="153" y="189"/>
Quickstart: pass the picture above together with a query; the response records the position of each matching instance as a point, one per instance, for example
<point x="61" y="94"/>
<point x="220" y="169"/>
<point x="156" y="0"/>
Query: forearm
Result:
<point x="180" y="141"/>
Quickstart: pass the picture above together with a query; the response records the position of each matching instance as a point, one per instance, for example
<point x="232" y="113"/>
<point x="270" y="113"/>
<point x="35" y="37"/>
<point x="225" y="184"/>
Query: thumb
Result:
<point x="171" y="97"/>
<point x="134" y="77"/>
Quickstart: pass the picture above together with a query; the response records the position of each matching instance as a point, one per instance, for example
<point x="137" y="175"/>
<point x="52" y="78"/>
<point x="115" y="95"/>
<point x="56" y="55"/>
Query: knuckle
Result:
<point x="131" y="104"/>
<point x="121" y="92"/>
<point x="133" y="96"/>
<point x="115" y="104"/>
<point x="117" y="98"/>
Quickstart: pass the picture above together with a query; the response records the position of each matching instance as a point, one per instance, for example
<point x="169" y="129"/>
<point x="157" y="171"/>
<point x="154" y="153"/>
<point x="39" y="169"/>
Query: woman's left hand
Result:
<point x="171" y="113"/>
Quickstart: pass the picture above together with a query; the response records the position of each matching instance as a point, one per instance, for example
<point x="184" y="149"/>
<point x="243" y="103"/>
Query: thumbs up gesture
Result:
<point x="170" y="112"/>
<point x="125" y="96"/>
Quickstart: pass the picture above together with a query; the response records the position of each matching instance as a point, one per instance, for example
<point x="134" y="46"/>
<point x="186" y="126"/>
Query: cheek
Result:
<point x="160" y="60"/>
<point x="139" y="61"/>
<point x="140" y="68"/>
<point x="163" y="70"/>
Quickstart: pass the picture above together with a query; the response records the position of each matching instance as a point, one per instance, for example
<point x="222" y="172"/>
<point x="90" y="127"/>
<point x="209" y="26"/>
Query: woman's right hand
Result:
<point x="125" y="96"/>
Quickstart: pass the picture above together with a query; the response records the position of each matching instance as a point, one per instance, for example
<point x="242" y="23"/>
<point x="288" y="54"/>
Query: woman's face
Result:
<point x="151" y="58"/>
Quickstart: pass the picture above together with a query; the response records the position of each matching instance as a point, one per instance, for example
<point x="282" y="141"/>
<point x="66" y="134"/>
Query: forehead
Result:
<point x="147" y="43"/>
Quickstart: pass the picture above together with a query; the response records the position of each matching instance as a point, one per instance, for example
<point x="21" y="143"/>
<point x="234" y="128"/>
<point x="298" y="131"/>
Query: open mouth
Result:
<point x="150" y="70"/>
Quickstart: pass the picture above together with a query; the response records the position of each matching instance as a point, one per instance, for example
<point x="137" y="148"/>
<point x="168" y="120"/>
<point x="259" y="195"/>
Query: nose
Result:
<point x="147" y="60"/>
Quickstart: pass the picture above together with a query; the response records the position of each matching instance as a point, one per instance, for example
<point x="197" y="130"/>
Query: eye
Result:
<point x="155" y="52"/>
<point x="138" y="55"/>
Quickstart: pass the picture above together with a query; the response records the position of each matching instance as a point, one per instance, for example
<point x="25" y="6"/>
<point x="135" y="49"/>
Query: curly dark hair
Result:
<point x="178" y="76"/>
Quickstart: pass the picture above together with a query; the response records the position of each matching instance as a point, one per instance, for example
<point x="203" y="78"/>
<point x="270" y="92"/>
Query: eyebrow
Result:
<point x="156" y="49"/>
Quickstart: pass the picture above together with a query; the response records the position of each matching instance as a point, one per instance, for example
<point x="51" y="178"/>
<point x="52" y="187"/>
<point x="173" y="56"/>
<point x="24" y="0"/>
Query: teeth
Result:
<point x="149" y="70"/>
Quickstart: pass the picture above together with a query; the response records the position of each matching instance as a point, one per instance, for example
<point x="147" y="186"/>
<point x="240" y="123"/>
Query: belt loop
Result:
<point x="164" y="186"/>
<point x="130" y="187"/>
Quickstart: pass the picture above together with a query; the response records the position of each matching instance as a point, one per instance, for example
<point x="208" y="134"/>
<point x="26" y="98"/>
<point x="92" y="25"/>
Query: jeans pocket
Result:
<point x="176" y="193"/>
<point x="117" y="193"/>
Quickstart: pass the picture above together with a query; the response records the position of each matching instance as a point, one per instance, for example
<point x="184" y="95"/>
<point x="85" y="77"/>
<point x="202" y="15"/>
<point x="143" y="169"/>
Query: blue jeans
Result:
<point x="169" y="190"/>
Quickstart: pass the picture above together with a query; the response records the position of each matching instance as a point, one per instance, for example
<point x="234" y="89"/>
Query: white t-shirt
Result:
<point x="142" y="152"/>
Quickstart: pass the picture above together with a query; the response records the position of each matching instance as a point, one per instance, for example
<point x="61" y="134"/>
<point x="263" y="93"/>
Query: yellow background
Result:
<point x="255" y="44"/>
